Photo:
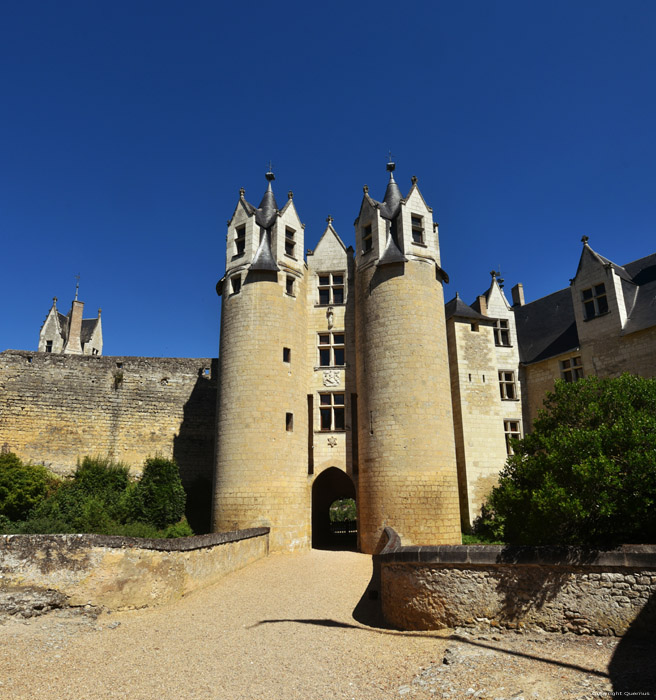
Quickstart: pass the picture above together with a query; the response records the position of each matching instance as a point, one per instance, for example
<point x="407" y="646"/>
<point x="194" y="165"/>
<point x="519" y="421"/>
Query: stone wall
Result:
<point x="56" y="409"/>
<point x="115" y="573"/>
<point x="555" y="589"/>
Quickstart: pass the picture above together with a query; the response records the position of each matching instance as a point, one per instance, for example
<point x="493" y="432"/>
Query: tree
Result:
<point x="586" y="475"/>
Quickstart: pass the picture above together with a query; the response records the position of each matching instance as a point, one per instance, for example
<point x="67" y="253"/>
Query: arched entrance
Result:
<point x="331" y="485"/>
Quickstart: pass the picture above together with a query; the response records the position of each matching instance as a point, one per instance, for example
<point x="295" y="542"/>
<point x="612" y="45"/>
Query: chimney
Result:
<point x="518" y="294"/>
<point x="73" y="343"/>
<point x="482" y="303"/>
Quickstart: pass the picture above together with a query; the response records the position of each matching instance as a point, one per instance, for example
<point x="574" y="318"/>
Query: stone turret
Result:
<point x="261" y="474"/>
<point x="407" y="464"/>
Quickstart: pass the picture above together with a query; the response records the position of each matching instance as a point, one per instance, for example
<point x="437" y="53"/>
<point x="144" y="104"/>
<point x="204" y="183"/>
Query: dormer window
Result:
<point x="331" y="289"/>
<point x="290" y="243"/>
<point x="367" y="239"/>
<point x="48" y="345"/>
<point x="595" y="302"/>
<point x="240" y="240"/>
<point x="502" y="332"/>
<point x="417" y="229"/>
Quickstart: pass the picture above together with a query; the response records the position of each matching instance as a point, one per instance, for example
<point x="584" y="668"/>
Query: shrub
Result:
<point x="159" y="497"/>
<point x="586" y="475"/>
<point x="22" y="486"/>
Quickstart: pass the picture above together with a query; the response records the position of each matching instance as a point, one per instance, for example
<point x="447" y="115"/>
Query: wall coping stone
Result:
<point x="630" y="555"/>
<point x="177" y="544"/>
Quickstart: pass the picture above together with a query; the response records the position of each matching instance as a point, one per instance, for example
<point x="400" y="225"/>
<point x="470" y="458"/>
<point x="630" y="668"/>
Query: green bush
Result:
<point x="158" y="497"/>
<point x="586" y="475"/>
<point x="22" y="486"/>
<point x="343" y="509"/>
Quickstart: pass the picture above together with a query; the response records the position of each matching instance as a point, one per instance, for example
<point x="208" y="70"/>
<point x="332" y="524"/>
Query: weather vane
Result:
<point x="77" y="285"/>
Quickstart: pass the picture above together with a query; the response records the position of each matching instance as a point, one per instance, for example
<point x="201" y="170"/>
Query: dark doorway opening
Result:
<point x="330" y="486"/>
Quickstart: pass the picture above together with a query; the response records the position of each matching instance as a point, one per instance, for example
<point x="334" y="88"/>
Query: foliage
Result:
<point x="22" y="486"/>
<point x="468" y="538"/>
<point x="101" y="498"/>
<point x="343" y="509"/>
<point x="159" y="497"/>
<point x="586" y="475"/>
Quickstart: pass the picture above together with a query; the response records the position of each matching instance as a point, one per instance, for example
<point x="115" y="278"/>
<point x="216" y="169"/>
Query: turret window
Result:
<point x="331" y="350"/>
<point x="502" y="332"/>
<point x="240" y="240"/>
<point x="595" y="301"/>
<point x="289" y="285"/>
<point x="417" y="229"/>
<point x="235" y="283"/>
<point x="332" y="411"/>
<point x="331" y="289"/>
<point x="290" y="242"/>
<point x="367" y="239"/>
<point x="507" y="386"/>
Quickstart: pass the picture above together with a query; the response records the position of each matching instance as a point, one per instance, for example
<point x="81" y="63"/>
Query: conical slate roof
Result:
<point x="265" y="214"/>
<point x="391" y="203"/>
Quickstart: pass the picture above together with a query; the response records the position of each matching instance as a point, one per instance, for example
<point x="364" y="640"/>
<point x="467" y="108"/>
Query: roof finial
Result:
<point x="390" y="164"/>
<point x="290" y="195"/>
<point x="585" y="239"/>
<point x="413" y="179"/>
<point x="242" y="192"/>
<point x="269" y="174"/>
<point x="77" y="285"/>
<point x="496" y="275"/>
<point x="365" y="189"/>
<point x="329" y="219"/>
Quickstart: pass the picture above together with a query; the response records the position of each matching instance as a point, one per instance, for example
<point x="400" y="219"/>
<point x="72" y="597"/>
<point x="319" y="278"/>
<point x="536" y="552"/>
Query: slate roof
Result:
<point x="88" y="327"/>
<point x="457" y="307"/>
<point x="547" y="327"/>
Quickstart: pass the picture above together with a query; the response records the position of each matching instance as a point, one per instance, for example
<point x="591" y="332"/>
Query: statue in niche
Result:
<point x="330" y="315"/>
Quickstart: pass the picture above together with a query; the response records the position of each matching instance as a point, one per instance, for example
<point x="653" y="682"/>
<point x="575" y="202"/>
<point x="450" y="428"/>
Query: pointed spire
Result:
<point x="392" y="200"/>
<point x="268" y="208"/>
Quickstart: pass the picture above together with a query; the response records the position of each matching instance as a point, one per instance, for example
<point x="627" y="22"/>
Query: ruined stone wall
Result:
<point x="115" y="573"/>
<point x="56" y="409"/>
<point x="556" y="589"/>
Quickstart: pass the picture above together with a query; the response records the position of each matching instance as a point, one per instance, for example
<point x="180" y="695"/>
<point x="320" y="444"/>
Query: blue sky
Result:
<point x="127" y="129"/>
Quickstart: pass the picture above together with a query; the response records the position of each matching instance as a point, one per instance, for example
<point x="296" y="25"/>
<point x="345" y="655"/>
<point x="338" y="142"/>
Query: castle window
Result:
<point x="289" y="422"/>
<point x="474" y="327"/>
<point x="417" y="229"/>
<point x="48" y="345"/>
<point x="502" y="332"/>
<point x="235" y="283"/>
<point x="289" y="286"/>
<point x="595" y="301"/>
<point x="290" y="243"/>
<point x="286" y="355"/>
<point x="571" y="370"/>
<point x="240" y="240"/>
<point x="331" y="289"/>
<point x="507" y="386"/>
<point x="512" y="431"/>
<point x="331" y="350"/>
<point x="331" y="411"/>
<point x="367" y="239"/>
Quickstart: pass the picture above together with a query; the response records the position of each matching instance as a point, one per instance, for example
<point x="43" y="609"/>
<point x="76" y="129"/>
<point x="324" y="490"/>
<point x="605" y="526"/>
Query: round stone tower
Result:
<point x="407" y="463"/>
<point x="261" y="463"/>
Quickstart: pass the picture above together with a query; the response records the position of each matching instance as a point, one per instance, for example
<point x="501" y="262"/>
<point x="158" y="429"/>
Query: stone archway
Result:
<point x="329" y="486"/>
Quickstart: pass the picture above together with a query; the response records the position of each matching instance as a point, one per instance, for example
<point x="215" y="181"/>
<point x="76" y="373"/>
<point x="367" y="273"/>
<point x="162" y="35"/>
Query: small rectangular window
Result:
<point x="474" y="327"/>
<point x="367" y="239"/>
<point x="48" y="345"/>
<point x="240" y="240"/>
<point x="331" y="350"/>
<point x="235" y="283"/>
<point x="595" y="301"/>
<point x="286" y="355"/>
<point x="331" y="289"/>
<point x="289" y="422"/>
<point x="512" y="431"/>
<point x="290" y="243"/>
<point x="332" y="411"/>
<point x="289" y="285"/>
<point x="507" y="386"/>
<point x="417" y="229"/>
<point x="502" y="332"/>
<point x="571" y="370"/>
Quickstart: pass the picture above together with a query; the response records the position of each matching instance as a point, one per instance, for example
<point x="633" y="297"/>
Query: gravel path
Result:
<point x="283" y="628"/>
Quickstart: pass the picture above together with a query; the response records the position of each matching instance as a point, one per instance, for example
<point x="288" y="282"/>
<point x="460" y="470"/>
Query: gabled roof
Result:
<point x="329" y="232"/>
<point x="587" y="250"/>
<point x="456" y="308"/>
<point x="546" y="327"/>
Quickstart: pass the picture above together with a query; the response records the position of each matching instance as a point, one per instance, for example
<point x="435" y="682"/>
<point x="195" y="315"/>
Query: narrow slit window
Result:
<point x="240" y="241"/>
<point x="289" y="422"/>
<point x="286" y="355"/>
<point x="289" y="286"/>
<point x="367" y="239"/>
<point x="290" y="242"/>
<point x="236" y="284"/>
